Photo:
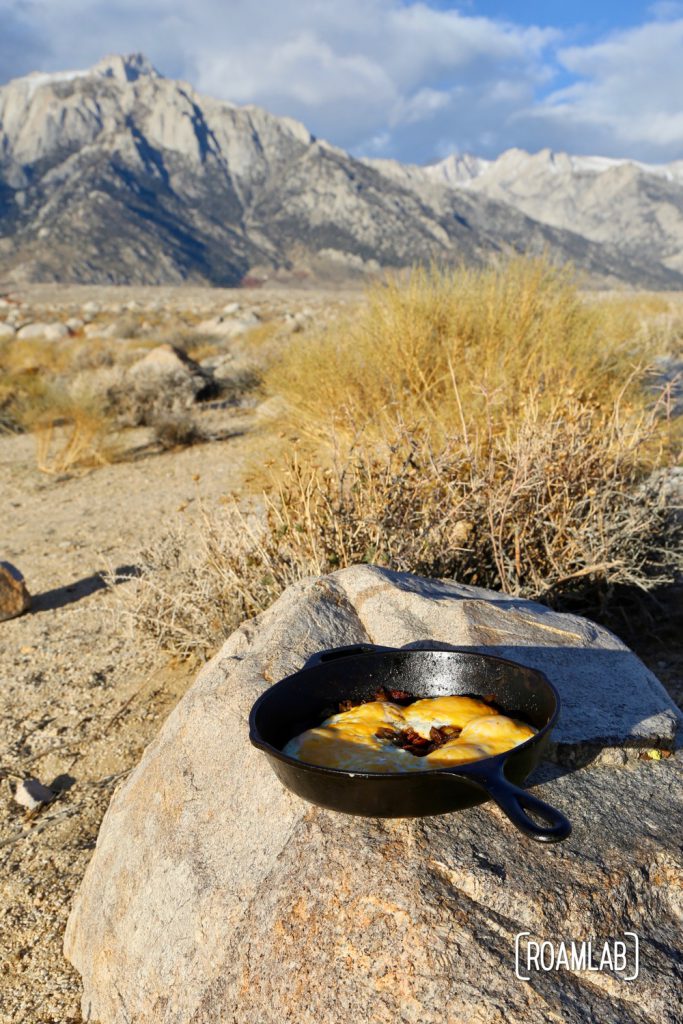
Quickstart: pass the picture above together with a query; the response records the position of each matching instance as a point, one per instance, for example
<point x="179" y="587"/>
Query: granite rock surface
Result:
<point x="215" y="895"/>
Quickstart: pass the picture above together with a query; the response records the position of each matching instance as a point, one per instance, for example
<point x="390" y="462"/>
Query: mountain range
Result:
<point x="117" y="175"/>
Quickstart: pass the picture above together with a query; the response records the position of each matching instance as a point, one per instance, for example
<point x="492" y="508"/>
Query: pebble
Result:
<point x="31" y="794"/>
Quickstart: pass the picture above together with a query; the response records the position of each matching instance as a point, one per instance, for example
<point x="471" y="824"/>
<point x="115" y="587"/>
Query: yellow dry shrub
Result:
<point x="467" y="344"/>
<point x="72" y="430"/>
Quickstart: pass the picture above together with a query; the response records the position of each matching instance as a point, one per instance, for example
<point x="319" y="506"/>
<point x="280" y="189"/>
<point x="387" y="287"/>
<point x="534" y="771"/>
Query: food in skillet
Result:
<point x="386" y="736"/>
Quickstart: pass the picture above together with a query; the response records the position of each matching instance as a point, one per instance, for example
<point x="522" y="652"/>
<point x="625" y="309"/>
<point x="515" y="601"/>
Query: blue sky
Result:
<point x="595" y="16"/>
<point x="408" y="79"/>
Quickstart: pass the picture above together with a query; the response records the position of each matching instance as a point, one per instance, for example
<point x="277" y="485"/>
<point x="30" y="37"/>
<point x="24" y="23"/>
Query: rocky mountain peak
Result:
<point x="125" y="68"/>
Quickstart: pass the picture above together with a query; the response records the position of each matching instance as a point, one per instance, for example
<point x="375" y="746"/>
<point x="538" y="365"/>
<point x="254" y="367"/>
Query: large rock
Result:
<point x="166" y="361"/>
<point x="169" y="370"/>
<point x="215" y="895"/>
<point x="14" y="596"/>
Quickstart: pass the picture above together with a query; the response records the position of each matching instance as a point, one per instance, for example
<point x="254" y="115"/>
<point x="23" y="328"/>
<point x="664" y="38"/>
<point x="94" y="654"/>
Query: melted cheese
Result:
<point x="350" y="750"/>
<point x="423" y="714"/>
<point x="498" y="732"/>
<point x="372" y="716"/>
<point x="349" y="741"/>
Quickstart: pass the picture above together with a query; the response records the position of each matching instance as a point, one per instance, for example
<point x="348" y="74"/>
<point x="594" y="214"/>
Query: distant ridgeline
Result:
<point x="116" y="175"/>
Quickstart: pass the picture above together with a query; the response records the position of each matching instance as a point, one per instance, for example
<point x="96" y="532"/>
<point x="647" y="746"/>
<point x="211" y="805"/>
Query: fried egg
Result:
<point x="498" y="732"/>
<point x="376" y="713"/>
<point x="437" y="711"/>
<point x="350" y="750"/>
<point x="349" y="741"/>
<point x="455" y="752"/>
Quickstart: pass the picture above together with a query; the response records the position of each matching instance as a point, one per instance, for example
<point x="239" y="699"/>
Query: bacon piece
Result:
<point x="346" y="705"/>
<point x="439" y="734"/>
<point x="401" y="697"/>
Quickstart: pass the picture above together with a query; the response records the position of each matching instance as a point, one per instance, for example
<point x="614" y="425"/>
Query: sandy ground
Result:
<point x="78" y="701"/>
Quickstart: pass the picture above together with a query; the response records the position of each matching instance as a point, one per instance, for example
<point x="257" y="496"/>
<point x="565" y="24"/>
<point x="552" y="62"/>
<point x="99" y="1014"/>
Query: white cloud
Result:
<point x="666" y="9"/>
<point x="388" y="77"/>
<point x="629" y="94"/>
<point x="368" y="70"/>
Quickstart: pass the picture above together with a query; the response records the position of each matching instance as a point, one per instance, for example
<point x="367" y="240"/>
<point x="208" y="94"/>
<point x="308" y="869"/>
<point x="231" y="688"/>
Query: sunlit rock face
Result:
<point x="634" y="206"/>
<point x="214" y="894"/>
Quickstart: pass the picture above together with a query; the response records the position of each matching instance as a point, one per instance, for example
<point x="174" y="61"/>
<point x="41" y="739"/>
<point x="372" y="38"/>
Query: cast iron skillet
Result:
<point x="304" y="699"/>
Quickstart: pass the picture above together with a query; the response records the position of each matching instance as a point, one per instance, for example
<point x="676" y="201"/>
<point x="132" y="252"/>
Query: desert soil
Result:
<point x="79" y="698"/>
<point x="78" y="702"/>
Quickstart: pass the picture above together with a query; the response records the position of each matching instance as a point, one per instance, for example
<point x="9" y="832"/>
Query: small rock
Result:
<point x="48" y="332"/>
<point x="228" y="327"/>
<point x="55" y="332"/>
<point x="30" y="331"/>
<point x="115" y="329"/>
<point x="220" y="366"/>
<point x="90" y="309"/>
<point x="32" y="794"/>
<point x="14" y="596"/>
<point x="74" y="323"/>
<point x="232" y="307"/>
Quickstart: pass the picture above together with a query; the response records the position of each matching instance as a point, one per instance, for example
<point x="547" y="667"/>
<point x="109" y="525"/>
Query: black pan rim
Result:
<point x="497" y="760"/>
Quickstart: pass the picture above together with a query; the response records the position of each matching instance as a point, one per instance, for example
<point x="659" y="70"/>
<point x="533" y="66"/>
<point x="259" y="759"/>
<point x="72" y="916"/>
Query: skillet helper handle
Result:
<point x="344" y="652"/>
<point x="515" y="802"/>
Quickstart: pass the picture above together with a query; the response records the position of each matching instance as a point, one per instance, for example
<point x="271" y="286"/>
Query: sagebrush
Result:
<point x="486" y="426"/>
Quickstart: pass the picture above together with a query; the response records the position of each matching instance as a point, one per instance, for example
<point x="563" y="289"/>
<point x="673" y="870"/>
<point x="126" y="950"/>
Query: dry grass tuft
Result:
<point x="177" y="430"/>
<point x="39" y="392"/>
<point x="195" y="585"/>
<point x="73" y="433"/>
<point x="77" y="402"/>
<point x="36" y="378"/>
<point x="259" y="340"/>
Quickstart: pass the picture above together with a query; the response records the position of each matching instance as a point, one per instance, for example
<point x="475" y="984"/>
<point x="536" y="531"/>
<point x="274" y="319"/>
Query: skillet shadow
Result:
<point x="597" y="714"/>
<point x="59" y="597"/>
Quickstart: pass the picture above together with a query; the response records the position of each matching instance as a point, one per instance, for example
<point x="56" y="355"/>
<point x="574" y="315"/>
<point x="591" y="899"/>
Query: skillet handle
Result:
<point x="515" y="802"/>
